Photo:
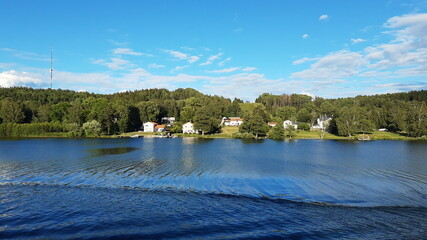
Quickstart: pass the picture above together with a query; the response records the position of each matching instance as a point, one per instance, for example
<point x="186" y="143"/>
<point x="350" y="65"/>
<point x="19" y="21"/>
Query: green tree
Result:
<point x="290" y="132"/>
<point x="148" y="111"/>
<point x="254" y="124"/>
<point x="92" y="128"/>
<point x="11" y="111"/>
<point x="347" y="122"/>
<point x="286" y="113"/>
<point x="189" y="111"/>
<point x="204" y="122"/>
<point x="59" y="111"/>
<point x="277" y="132"/>
<point x="76" y="113"/>
<point x="304" y="115"/>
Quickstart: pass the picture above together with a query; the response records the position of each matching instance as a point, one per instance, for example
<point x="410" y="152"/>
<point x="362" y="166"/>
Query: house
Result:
<point x="322" y="122"/>
<point x="168" y="120"/>
<point x="160" y="128"/>
<point x="272" y="124"/>
<point x="188" y="127"/>
<point x="231" y="121"/>
<point x="149" y="126"/>
<point x="383" y="129"/>
<point x="288" y="123"/>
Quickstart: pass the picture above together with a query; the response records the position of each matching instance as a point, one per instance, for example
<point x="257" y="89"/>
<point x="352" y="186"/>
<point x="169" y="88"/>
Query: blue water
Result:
<point x="212" y="188"/>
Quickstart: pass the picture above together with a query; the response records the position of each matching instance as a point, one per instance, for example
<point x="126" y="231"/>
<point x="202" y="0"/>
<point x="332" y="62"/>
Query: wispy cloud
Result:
<point x="357" y="40"/>
<point x="249" y="69"/>
<point x="403" y="56"/>
<point x="182" y="56"/>
<point x="305" y="36"/>
<point x="176" y="54"/>
<point x="128" y="51"/>
<point x="225" y="70"/>
<point x="155" y="66"/>
<point x="323" y="17"/>
<point x="27" y="55"/>
<point x="211" y="59"/>
<point x="193" y="59"/>
<point x="303" y="60"/>
<point x="223" y="62"/>
<point x="114" y="63"/>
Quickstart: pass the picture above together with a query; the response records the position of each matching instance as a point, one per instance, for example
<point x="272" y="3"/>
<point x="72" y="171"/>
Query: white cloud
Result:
<point x="225" y="70"/>
<point x="128" y="51"/>
<point x="248" y="69"/>
<point x="323" y="17"/>
<point x="211" y="59"/>
<point x="193" y="59"/>
<point x="27" y="55"/>
<point x="155" y="65"/>
<point x="303" y="60"/>
<point x="176" y="54"/>
<point x="206" y="63"/>
<point x="336" y="65"/>
<point x="305" y="36"/>
<point x="114" y="64"/>
<point x="183" y="56"/>
<point x="13" y="78"/>
<point x="223" y="62"/>
<point x="404" y="56"/>
<point x="178" y="68"/>
<point x="357" y="40"/>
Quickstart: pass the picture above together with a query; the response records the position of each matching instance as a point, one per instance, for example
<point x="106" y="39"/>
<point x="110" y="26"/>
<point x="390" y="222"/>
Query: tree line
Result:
<point x="27" y="111"/>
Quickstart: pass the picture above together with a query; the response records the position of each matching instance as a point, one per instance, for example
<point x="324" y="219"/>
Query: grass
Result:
<point x="376" y="135"/>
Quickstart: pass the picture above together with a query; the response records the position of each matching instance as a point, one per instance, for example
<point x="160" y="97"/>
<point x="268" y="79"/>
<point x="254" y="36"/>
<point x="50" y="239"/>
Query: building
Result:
<point x="231" y="121"/>
<point x="168" y="120"/>
<point x="160" y="128"/>
<point x="322" y="122"/>
<point x="288" y="123"/>
<point x="150" y="126"/>
<point x="188" y="127"/>
<point x="272" y="124"/>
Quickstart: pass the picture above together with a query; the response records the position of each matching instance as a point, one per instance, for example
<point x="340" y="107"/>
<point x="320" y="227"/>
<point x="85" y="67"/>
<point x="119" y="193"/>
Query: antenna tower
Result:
<point x="51" y="67"/>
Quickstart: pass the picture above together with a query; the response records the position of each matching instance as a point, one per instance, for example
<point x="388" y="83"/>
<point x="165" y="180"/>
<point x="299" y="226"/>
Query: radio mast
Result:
<point x="51" y="67"/>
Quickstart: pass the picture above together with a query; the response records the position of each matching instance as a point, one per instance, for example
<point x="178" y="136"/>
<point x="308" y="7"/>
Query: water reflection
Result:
<point x="110" y="151"/>
<point x="364" y="174"/>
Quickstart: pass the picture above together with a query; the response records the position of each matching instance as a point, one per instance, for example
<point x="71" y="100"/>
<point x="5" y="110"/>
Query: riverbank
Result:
<point x="227" y="132"/>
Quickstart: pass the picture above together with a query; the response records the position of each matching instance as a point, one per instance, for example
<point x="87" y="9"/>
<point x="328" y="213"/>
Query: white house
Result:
<point x="231" y="121"/>
<point x="288" y="123"/>
<point x="168" y="120"/>
<point x="149" y="126"/>
<point x="188" y="127"/>
<point x="160" y="128"/>
<point x="322" y="122"/>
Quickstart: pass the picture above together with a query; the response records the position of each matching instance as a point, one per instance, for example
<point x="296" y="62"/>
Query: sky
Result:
<point x="238" y="48"/>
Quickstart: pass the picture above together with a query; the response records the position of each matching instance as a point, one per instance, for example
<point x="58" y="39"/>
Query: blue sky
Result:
<point x="230" y="48"/>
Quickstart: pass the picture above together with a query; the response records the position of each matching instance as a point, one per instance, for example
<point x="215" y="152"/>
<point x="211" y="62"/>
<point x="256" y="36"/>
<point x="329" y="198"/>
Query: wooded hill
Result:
<point x="27" y="111"/>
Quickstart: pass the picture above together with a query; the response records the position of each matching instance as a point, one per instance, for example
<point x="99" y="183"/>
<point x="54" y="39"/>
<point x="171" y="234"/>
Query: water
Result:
<point x="212" y="188"/>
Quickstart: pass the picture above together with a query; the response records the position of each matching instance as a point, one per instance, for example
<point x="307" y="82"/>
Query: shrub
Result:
<point x="244" y="135"/>
<point x="304" y="126"/>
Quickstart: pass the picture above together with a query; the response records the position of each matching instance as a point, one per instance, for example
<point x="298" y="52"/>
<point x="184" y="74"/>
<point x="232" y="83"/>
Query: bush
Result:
<point x="92" y="128"/>
<point x="30" y="129"/>
<point x="244" y="135"/>
<point x="304" y="126"/>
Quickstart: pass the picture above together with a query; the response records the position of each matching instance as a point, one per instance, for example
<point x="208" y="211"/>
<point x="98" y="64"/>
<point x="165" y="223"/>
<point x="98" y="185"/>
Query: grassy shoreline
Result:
<point x="228" y="131"/>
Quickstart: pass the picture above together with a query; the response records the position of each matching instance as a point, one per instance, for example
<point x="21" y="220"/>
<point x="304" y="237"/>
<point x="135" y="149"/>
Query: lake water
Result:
<point x="183" y="188"/>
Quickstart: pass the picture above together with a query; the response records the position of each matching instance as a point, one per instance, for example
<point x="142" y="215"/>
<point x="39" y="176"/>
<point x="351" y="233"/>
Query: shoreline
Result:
<point x="222" y="136"/>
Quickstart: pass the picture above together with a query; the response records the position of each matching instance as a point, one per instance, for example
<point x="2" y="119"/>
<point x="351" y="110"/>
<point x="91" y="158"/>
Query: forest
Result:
<point x="44" y="112"/>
